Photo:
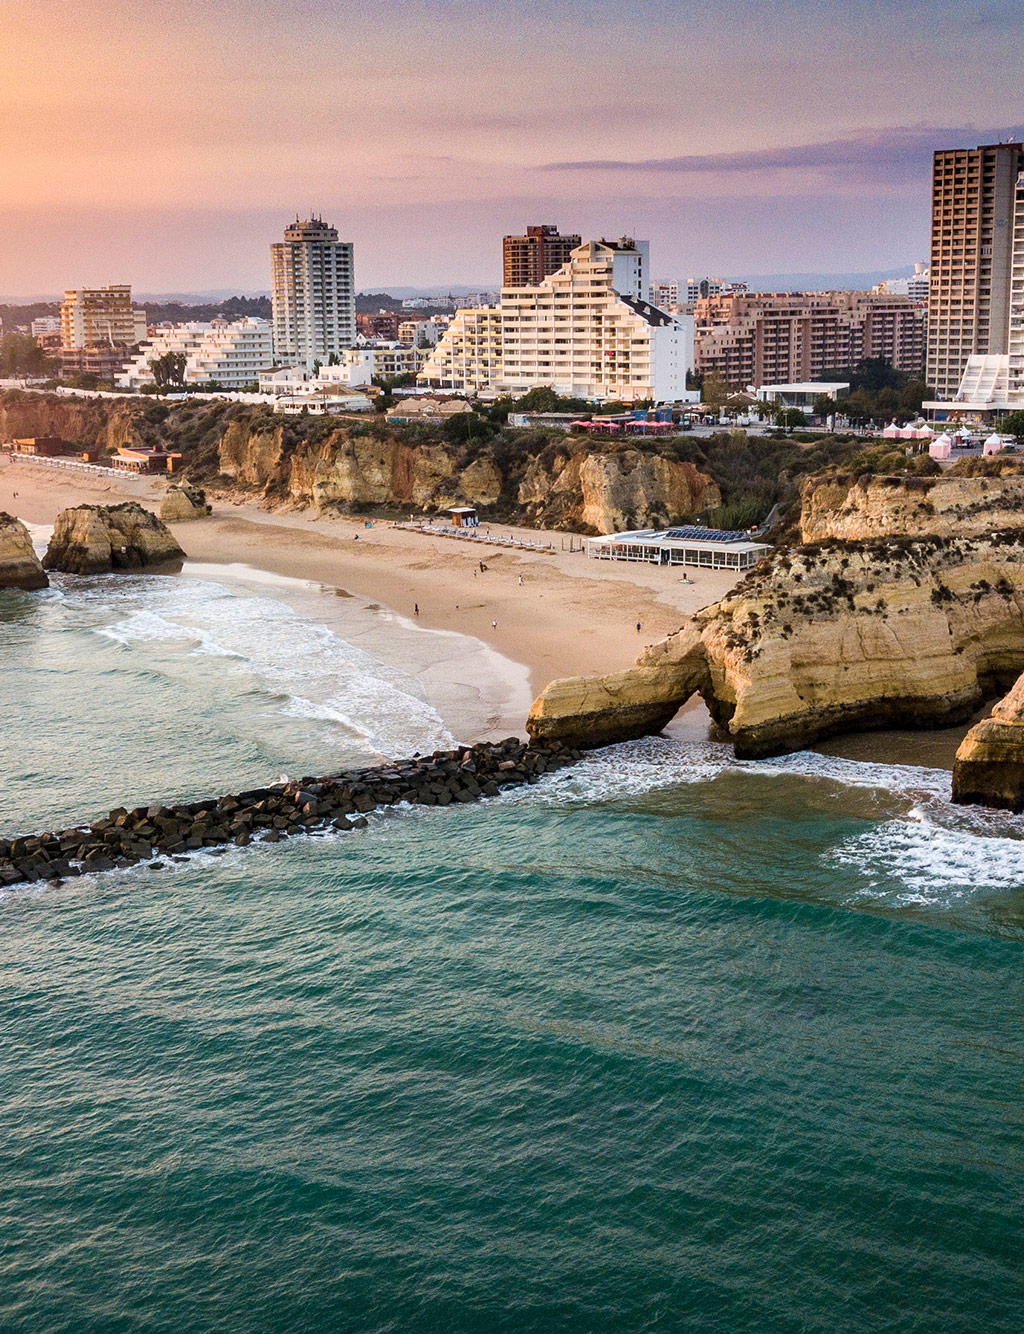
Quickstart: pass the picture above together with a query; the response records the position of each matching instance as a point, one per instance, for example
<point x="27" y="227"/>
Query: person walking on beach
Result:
<point x="415" y="608"/>
<point x="520" y="581"/>
<point x="494" y="625"/>
<point x="638" y="627"/>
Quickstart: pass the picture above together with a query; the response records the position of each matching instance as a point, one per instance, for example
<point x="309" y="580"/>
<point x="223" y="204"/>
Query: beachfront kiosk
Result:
<point x="712" y="548"/>
<point x="464" y="516"/>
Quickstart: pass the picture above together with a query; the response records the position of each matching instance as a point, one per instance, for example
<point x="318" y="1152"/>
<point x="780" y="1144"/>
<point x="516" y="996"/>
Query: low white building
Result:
<point x="711" y="548"/>
<point x="231" y="353"/>
<point x="585" y="331"/>
<point x="803" y="393"/>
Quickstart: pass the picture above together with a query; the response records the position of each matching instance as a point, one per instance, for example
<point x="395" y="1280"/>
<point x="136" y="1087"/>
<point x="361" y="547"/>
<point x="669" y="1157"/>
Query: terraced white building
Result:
<point x="586" y="331"/>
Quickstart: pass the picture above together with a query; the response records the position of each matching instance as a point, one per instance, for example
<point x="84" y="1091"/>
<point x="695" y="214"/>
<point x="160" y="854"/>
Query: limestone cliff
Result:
<point x="184" y="501"/>
<point x="911" y="631"/>
<point x="19" y="565"/>
<point x="93" y="539"/>
<point x="569" y="486"/>
<point x="857" y="508"/>
<point x="106" y="424"/>
<point x="608" y="492"/>
<point x="989" y="768"/>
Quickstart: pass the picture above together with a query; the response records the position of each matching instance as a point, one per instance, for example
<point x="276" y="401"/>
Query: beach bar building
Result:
<point x="712" y="548"/>
<point x="463" y="516"/>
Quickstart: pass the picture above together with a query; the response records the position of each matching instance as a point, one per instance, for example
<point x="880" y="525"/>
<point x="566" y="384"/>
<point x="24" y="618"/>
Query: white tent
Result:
<point x="924" y="431"/>
<point x="891" y="432"/>
<point x="908" y="433"/>
<point x="941" y="448"/>
<point x="993" y="445"/>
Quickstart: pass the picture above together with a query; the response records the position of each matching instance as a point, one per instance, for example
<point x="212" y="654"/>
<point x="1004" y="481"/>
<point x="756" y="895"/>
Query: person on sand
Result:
<point x="415" y="608"/>
<point x="494" y="625"/>
<point x="520" y="581"/>
<point x="638" y="627"/>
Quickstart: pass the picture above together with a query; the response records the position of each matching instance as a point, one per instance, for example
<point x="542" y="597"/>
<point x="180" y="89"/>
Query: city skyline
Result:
<point x="425" y="152"/>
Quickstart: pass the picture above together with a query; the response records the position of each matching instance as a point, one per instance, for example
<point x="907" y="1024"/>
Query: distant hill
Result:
<point x="820" y="282"/>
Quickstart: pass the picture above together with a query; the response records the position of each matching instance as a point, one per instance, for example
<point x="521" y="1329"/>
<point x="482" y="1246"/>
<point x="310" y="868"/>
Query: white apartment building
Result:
<point x="312" y="292"/>
<point x="586" y="331"/>
<point x="45" y="324"/>
<point x="233" y="354"/>
<point x="665" y="295"/>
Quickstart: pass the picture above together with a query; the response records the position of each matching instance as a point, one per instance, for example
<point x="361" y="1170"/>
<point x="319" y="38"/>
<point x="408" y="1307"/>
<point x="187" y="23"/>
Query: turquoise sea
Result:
<point x="665" y="1042"/>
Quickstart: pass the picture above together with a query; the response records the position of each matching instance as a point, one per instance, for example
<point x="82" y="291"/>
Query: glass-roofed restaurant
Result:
<point x="714" y="548"/>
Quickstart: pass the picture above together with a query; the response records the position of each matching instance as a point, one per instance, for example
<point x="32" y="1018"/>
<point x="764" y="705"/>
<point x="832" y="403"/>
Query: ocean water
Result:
<point x="665" y="1042"/>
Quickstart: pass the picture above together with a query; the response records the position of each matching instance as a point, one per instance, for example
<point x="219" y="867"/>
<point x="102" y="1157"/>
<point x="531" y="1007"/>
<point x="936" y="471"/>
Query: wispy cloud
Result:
<point x="882" y="152"/>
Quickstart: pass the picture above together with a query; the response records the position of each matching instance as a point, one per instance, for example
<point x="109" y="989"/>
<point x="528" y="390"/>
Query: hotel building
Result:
<point x="586" y="331"/>
<point x="230" y="354"/>
<point x="94" y="317"/>
<point x="752" y="339"/>
<point x="312" y="292"/>
<point x="972" y="236"/>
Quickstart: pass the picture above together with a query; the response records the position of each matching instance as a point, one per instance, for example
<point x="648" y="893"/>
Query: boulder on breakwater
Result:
<point x="184" y="501"/>
<point x="339" y="802"/>
<point x="94" y="539"/>
<point x="989" y="767"/>
<point x="20" y="567"/>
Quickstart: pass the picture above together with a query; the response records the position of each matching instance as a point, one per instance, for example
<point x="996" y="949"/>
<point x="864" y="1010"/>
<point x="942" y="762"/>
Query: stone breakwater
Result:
<point x="339" y="802"/>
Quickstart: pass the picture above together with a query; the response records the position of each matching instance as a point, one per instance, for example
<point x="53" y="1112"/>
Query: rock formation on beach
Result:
<point x="184" y="501"/>
<point x="827" y="637"/>
<point x="94" y="539"/>
<point x="989" y="768"/>
<point x="20" y="567"/>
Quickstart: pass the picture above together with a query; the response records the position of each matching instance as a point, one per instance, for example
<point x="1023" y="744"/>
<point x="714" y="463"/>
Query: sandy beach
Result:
<point x="553" y="614"/>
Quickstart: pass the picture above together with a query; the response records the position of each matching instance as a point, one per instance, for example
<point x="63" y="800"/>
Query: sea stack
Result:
<point x="19" y="565"/>
<point x="989" y="768"/>
<point x="184" y="501"/>
<point x="95" y="539"/>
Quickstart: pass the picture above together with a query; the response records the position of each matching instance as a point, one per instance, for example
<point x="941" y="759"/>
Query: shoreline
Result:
<point x="495" y="637"/>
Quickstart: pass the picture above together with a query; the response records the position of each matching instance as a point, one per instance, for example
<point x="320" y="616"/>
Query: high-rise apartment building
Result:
<point x="586" y="331"/>
<point x="312" y="292"/>
<point x="1015" y="323"/>
<point x="530" y="258"/>
<point x="793" y="337"/>
<point x="972" y="237"/>
<point x="100" y="317"/>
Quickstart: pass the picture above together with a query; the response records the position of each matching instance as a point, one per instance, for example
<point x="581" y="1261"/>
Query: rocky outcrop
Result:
<point x="94" y="539"/>
<point x="859" y="508"/>
<point x="831" y="637"/>
<point x="184" y="501"/>
<point x="19" y="565"/>
<point x="598" y="710"/>
<point x="989" y="767"/>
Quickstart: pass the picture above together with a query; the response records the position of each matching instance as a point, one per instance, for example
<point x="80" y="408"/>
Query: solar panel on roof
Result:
<point x="694" y="534"/>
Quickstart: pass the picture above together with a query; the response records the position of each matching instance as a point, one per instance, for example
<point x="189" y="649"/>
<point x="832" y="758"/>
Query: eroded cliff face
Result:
<point x="20" y="567"/>
<point x="910" y="631"/>
<point x="562" y="487"/>
<point x="94" y="539"/>
<point x="106" y="424"/>
<point x="989" y="767"/>
<point x="612" y="492"/>
<point x="859" y="508"/>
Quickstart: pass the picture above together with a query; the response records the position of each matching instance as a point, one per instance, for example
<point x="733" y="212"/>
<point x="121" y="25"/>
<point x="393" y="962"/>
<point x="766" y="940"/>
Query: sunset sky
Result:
<point x="166" y="144"/>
